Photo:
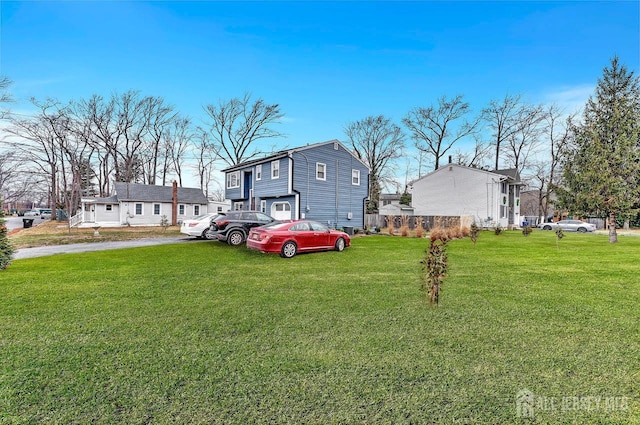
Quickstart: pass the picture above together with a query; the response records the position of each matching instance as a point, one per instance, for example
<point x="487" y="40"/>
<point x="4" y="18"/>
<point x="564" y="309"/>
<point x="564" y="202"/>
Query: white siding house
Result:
<point x="488" y="198"/>
<point x="134" y="204"/>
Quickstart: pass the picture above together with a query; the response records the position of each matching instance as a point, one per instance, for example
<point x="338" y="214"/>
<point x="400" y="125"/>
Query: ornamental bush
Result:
<point x="6" y="250"/>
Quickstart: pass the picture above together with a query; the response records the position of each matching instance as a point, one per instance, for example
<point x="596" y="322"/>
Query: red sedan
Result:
<point x="291" y="238"/>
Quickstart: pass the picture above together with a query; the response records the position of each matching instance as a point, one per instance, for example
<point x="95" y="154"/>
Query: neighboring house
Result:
<point x="134" y="204"/>
<point x="488" y="198"/>
<point x="389" y="204"/>
<point x="324" y="182"/>
<point x="219" y="206"/>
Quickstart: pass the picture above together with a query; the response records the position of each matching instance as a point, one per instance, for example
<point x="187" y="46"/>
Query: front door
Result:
<point x="281" y="210"/>
<point x="248" y="189"/>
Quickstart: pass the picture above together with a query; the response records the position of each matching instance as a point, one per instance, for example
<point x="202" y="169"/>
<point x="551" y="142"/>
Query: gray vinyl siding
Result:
<point x="330" y="201"/>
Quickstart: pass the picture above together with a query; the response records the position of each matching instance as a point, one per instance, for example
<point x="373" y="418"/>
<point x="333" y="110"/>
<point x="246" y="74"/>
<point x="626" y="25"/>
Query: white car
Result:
<point x="569" y="226"/>
<point x="199" y="227"/>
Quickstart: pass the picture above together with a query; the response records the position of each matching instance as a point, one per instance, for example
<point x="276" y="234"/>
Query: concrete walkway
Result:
<point x="41" y="251"/>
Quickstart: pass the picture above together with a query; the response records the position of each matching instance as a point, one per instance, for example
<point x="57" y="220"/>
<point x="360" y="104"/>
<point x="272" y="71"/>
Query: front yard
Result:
<point x="207" y="333"/>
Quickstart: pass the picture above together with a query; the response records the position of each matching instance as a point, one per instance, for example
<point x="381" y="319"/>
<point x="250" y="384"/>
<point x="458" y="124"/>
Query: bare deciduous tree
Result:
<point x="473" y="158"/>
<point x="377" y="142"/>
<point x="523" y="142"/>
<point x="159" y="118"/>
<point x="36" y="141"/>
<point x="547" y="173"/>
<point x="177" y="140"/>
<point x="237" y="124"/>
<point x="502" y="119"/>
<point x="5" y="96"/>
<point x="434" y="129"/>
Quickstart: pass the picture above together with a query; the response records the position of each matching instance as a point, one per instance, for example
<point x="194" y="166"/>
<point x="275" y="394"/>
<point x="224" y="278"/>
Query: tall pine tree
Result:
<point x="601" y="172"/>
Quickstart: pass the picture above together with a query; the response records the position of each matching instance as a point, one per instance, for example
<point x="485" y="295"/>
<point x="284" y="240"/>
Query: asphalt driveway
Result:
<point x="41" y="251"/>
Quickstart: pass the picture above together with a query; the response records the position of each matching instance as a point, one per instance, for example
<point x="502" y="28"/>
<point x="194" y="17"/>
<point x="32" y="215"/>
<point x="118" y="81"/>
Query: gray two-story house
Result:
<point x="325" y="182"/>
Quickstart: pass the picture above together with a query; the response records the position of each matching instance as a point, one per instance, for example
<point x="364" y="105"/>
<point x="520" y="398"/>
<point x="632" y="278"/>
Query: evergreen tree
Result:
<point x="601" y="172"/>
<point x="6" y="250"/>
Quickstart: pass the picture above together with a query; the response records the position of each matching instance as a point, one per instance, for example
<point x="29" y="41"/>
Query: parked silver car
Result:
<point x="44" y="213"/>
<point x="569" y="226"/>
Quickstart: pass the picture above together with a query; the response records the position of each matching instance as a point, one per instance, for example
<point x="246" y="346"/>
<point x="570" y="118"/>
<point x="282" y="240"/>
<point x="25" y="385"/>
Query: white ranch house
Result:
<point x="134" y="204"/>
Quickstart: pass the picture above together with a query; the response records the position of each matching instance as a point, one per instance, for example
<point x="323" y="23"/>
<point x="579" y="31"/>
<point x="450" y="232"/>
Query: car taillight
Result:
<point x="193" y="224"/>
<point x="259" y="236"/>
<point x="221" y="224"/>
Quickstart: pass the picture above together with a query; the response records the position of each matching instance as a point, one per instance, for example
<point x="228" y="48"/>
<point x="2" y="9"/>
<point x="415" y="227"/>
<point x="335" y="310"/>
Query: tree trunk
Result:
<point x="613" y="235"/>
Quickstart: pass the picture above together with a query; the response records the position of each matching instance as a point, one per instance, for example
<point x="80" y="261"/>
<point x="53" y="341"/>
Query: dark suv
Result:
<point x="233" y="226"/>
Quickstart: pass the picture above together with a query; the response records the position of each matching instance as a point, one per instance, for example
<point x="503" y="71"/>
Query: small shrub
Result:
<point x="391" y="225"/>
<point x="498" y="230"/>
<point x="454" y="232"/>
<point x="438" y="234"/>
<point x="404" y="225"/>
<point x="474" y="232"/>
<point x="526" y="230"/>
<point x="164" y="222"/>
<point x="435" y="265"/>
<point x="465" y="231"/>
<point x="419" y="227"/>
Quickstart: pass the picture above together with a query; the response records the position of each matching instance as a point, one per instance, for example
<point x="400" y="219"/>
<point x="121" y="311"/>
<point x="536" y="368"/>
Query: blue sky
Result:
<point x="325" y="63"/>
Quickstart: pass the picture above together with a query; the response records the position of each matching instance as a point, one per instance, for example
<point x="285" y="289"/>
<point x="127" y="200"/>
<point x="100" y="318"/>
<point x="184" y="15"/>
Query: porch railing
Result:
<point x="75" y="220"/>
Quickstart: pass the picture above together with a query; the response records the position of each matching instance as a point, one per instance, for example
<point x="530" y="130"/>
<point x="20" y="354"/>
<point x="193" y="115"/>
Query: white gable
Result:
<point x="456" y="190"/>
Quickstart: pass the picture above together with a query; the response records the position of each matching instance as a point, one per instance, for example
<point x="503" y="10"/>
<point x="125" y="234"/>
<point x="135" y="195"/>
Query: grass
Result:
<point x="57" y="233"/>
<point x="207" y="333"/>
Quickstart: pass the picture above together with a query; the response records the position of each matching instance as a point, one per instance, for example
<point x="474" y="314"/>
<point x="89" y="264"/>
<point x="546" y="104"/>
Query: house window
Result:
<point x="233" y="180"/>
<point x="259" y="172"/>
<point x="321" y="171"/>
<point x="355" y="177"/>
<point x="275" y="169"/>
<point x="263" y="206"/>
<point x="138" y="209"/>
<point x="108" y="207"/>
<point x="196" y="210"/>
<point x="503" y="211"/>
<point x="237" y="206"/>
<point x="181" y="209"/>
<point x="219" y="209"/>
<point x="504" y="187"/>
<point x="156" y="209"/>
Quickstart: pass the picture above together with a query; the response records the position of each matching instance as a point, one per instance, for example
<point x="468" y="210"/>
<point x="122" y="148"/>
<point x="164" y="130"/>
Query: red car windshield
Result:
<point x="275" y="225"/>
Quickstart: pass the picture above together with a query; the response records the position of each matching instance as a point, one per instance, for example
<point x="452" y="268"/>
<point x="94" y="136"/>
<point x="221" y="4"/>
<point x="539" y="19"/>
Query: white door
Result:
<point x="281" y="210"/>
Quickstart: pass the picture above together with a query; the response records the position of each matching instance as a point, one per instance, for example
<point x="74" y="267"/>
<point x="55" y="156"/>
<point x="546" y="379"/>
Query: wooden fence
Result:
<point x="428" y="222"/>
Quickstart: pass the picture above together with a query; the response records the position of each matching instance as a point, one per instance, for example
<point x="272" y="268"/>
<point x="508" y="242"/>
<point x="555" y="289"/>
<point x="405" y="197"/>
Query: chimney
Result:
<point x="174" y="204"/>
<point x="449" y="159"/>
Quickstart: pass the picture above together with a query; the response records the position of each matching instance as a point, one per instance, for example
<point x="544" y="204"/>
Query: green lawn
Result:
<point x="207" y="333"/>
